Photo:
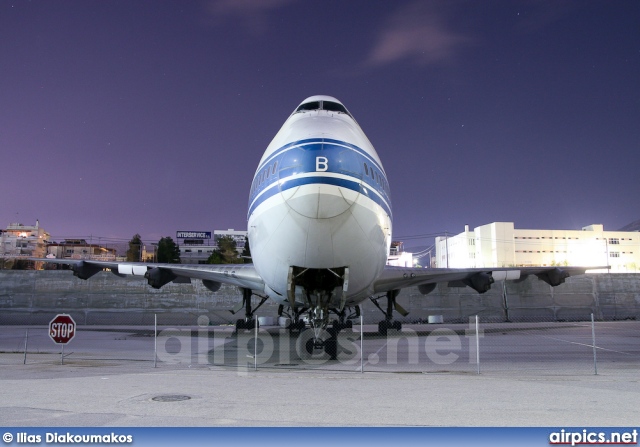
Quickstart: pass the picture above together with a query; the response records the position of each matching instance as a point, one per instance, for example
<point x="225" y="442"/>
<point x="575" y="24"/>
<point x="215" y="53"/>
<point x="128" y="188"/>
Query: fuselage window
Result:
<point x="366" y="169"/>
<point x="273" y="168"/>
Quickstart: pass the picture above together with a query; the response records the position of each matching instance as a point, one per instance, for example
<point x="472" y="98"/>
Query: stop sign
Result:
<point x="62" y="329"/>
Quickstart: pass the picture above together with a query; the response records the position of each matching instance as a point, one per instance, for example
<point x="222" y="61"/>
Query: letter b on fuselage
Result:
<point x="322" y="164"/>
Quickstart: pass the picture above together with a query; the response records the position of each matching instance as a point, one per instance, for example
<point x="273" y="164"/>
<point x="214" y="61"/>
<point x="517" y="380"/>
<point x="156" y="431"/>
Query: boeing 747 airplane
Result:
<point x="319" y="228"/>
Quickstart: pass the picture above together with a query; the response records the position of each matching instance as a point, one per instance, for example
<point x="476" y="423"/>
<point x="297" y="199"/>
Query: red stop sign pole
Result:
<point x="62" y="329"/>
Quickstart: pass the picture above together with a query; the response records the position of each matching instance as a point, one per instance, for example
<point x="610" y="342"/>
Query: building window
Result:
<point x="614" y="240"/>
<point x="614" y="254"/>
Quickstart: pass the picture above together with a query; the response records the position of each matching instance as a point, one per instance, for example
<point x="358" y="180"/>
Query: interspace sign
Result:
<point x="62" y="329"/>
<point x="193" y="234"/>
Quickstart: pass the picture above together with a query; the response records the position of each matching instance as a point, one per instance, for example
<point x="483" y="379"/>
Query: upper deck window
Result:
<point x="323" y="105"/>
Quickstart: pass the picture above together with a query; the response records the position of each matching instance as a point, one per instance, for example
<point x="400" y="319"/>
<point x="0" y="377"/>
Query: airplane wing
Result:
<point x="157" y="275"/>
<point x="479" y="279"/>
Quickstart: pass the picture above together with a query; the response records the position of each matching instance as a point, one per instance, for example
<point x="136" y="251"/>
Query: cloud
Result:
<point x="254" y="14"/>
<point x="419" y="32"/>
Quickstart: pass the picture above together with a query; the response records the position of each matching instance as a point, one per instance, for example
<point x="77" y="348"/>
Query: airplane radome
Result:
<point x="319" y="226"/>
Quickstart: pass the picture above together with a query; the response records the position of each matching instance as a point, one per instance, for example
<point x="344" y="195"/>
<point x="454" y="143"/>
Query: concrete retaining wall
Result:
<point x="34" y="297"/>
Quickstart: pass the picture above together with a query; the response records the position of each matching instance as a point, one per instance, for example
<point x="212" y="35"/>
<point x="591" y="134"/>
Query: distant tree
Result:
<point x="216" y="258"/>
<point x="135" y="248"/>
<point x="225" y="253"/>
<point x="246" y="252"/>
<point x="168" y="251"/>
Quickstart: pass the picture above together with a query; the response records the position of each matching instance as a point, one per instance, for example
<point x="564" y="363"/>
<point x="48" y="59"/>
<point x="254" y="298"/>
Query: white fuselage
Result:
<point x="320" y="200"/>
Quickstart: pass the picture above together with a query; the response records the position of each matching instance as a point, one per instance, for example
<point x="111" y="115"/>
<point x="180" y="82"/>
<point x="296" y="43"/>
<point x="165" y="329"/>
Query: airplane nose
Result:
<point x="309" y="198"/>
<point x="319" y="180"/>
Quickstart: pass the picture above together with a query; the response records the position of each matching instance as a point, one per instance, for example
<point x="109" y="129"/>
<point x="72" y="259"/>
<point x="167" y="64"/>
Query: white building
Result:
<point x="196" y="254"/>
<point x="499" y="244"/>
<point x="80" y="249"/>
<point x="398" y="257"/>
<point x="236" y="235"/>
<point x="197" y="246"/>
<point x="22" y="241"/>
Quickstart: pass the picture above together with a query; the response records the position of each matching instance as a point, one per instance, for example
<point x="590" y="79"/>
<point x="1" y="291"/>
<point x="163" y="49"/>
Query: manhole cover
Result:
<point x="171" y="398"/>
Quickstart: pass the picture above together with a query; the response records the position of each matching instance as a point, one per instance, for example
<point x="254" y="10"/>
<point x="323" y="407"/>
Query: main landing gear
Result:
<point x="388" y="322"/>
<point x="297" y="324"/>
<point x="248" y="322"/>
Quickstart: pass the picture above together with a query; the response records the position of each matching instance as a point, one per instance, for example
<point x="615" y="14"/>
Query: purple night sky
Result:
<point x="122" y="117"/>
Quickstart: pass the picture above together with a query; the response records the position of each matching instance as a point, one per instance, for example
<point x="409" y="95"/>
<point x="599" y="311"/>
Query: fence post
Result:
<point x="26" y="337"/>
<point x="361" y="345"/>
<point x="505" y="301"/>
<point x="155" y="340"/>
<point x="593" y="342"/>
<point x="477" y="345"/>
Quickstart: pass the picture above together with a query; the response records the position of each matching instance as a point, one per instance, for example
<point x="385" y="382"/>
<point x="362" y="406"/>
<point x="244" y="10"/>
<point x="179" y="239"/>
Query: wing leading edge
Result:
<point x="392" y="278"/>
<point x="479" y="279"/>
<point x="157" y="275"/>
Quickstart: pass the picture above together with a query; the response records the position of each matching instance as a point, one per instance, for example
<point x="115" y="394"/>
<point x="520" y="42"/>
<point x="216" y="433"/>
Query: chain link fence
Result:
<point x="522" y="327"/>
<point x="543" y="348"/>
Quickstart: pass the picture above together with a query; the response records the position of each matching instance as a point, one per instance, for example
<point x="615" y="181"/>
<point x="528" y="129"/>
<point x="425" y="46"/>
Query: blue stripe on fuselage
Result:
<point x="336" y="162"/>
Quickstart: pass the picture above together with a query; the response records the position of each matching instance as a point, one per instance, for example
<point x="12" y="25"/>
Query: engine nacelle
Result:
<point x="214" y="286"/>
<point x="553" y="277"/>
<point x="83" y="270"/>
<point x="158" y="277"/>
<point x="480" y="282"/>
<point x="427" y="288"/>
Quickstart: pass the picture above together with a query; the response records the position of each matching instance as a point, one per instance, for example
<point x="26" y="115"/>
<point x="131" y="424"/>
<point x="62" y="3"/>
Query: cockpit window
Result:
<point x="334" y="107"/>
<point x="323" y="105"/>
<point x="314" y="105"/>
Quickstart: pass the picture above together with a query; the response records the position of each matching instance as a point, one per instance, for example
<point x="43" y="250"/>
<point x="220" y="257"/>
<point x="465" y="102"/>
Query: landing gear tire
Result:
<point x="337" y="326"/>
<point x="385" y="325"/>
<point x="296" y="326"/>
<point x="309" y="346"/>
<point x="242" y="324"/>
<point x="331" y="344"/>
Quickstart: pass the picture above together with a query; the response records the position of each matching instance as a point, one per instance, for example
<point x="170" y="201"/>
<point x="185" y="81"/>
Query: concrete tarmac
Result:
<point x="98" y="390"/>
